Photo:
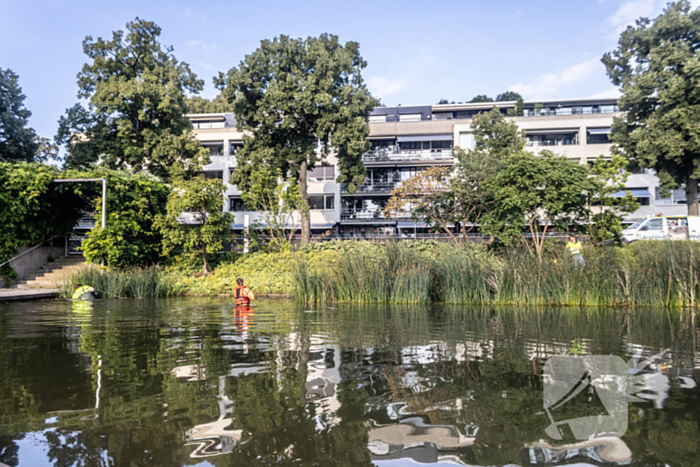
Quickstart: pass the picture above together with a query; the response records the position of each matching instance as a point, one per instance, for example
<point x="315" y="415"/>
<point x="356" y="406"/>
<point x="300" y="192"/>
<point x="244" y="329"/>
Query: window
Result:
<point x="233" y="147"/>
<point x="382" y="143"/>
<point x="410" y="118"/>
<point x="377" y="118"/>
<point x="213" y="174"/>
<point x="654" y="224"/>
<point x="608" y="109"/>
<point x="441" y="145"/>
<point x="237" y="205"/>
<point x="598" y="135"/>
<point x="322" y="174"/>
<point x="321" y="202"/>
<point x="215" y="148"/>
<point x="677" y="197"/>
<point x="551" y="139"/>
<point x="466" y="140"/>
<point x="411" y="145"/>
<point x="564" y="111"/>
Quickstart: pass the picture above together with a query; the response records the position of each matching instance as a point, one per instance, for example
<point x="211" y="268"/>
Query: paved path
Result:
<point x="8" y="295"/>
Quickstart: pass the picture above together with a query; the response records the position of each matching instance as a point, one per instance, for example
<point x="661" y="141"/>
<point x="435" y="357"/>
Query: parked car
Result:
<point x="664" y="228"/>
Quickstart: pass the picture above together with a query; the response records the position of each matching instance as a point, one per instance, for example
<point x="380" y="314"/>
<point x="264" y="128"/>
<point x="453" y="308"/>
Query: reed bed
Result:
<point x="133" y="283"/>
<point x="652" y="273"/>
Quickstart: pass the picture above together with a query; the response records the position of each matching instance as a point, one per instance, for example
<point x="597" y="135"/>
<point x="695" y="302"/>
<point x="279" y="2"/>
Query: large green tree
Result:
<point x="536" y="192"/>
<point x="300" y="100"/>
<point x="135" y="118"/>
<point x="202" y="105"/>
<point x="195" y="221"/>
<point x="17" y="141"/>
<point x="658" y="68"/>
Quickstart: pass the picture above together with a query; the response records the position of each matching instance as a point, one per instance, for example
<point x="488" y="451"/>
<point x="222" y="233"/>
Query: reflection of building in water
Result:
<point x="214" y="438"/>
<point x="194" y="372"/>
<point x="322" y="379"/>
<point x="606" y="450"/>
<point x="412" y="438"/>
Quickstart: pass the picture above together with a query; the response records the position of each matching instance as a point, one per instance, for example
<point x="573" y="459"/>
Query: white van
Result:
<point x="664" y="228"/>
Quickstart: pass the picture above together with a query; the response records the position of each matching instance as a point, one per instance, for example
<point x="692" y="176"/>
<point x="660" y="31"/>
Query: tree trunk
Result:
<point x="691" y="195"/>
<point x="305" y="218"/>
<point x="204" y="259"/>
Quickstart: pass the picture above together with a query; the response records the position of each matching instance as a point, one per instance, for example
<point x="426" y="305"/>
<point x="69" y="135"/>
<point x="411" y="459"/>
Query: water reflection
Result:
<point x="174" y="382"/>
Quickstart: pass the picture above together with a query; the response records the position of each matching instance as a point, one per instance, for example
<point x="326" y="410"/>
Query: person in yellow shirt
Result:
<point x="574" y="247"/>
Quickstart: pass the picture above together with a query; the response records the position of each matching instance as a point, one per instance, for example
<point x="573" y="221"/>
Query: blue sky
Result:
<point x="417" y="51"/>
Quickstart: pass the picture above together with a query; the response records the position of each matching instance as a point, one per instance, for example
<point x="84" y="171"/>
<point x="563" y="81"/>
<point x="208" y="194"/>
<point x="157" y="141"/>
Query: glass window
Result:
<point x="377" y="118"/>
<point x="598" y="135"/>
<point x="321" y="174"/>
<point x="320" y="202"/>
<point x="234" y="147"/>
<point x="410" y="118"/>
<point x="608" y="109"/>
<point x="655" y="224"/>
<point x="214" y="148"/>
<point x="236" y="205"/>
<point x="213" y="174"/>
<point x="563" y="110"/>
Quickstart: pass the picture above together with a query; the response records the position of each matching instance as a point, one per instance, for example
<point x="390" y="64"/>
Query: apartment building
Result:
<point x="406" y="140"/>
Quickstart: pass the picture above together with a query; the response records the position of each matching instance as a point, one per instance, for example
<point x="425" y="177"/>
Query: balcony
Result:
<point x="370" y="215"/>
<point x="207" y="125"/>
<point x="551" y="142"/>
<point x="391" y="154"/>
<point x="369" y="188"/>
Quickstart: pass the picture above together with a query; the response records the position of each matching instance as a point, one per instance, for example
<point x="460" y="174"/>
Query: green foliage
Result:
<point x="509" y="96"/>
<point x="658" y="68"/>
<point x="651" y="273"/>
<point x="128" y="283"/>
<point x="202" y="105"/>
<point x="33" y="208"/>
<point x="277" y="200"/>
<point x="17" y="142"/>
<point x="291" y="95"/>
<point x="133" y="203"/>
<point x="537" y="192"/>
<point x="611" y="177"/>
<point x="135" y="117"/>
<point x="195" y="221"/>
<point x="480" y="98"/>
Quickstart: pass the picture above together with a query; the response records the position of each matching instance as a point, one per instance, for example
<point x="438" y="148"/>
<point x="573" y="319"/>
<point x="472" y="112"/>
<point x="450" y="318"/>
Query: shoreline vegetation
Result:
<point x="643" y="274"/>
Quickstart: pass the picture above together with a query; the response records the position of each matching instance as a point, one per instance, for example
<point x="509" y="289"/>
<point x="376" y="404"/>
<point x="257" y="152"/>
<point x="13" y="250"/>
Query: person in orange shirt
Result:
<point x="243" y="294"/>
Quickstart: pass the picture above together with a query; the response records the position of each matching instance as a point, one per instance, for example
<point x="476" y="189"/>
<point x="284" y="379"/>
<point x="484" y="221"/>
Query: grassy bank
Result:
<point x="642" y="274"/>
<point x="651" y="273"/>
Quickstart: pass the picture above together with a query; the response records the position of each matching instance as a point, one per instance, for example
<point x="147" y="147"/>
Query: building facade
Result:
<point x="406" y="140"/>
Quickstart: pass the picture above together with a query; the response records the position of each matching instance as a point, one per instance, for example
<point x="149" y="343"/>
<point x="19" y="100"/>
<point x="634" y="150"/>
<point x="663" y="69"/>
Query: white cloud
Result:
<point x="203" y="45"/>
<point x="609" y="93"/>
<point x="629" y="12"/>
<point x="553" y="85"/>
<point x="381" y="86"/>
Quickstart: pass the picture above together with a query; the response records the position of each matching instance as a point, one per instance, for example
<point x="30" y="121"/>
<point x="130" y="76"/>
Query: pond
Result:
<point x="197" y="382"/>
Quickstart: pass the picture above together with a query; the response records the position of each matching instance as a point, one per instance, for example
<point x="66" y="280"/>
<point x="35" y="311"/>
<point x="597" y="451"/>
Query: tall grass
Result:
<point x="653" y="273"/>
<point x="135" y="283"/>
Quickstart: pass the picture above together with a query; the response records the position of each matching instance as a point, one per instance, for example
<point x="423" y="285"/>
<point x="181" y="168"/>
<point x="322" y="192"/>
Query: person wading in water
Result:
<point x="243" y="294"/>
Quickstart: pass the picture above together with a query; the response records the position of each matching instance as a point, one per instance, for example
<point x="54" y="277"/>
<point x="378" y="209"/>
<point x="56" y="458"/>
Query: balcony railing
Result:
<point x="559" y="111"/>
<point x="370" y="214"/>
<point x="552" y="143"/>
<point x="373" y="187"/>
<point x="208" y="125"/>
<point x="390" y="155"/>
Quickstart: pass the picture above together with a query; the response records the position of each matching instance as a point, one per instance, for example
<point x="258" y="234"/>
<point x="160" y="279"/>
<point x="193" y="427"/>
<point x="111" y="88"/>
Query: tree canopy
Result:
<point x="658" y="68"/>
<point x="17" y="141"/>
<point x="202" y="105"/>
<point x="537" y="191"/>
<point x="298" y="98"/>
<point x="195" y="220"/>
<point x="135" y="118"/>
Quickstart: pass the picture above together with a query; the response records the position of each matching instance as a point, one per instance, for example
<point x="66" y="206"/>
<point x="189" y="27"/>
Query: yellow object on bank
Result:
<point x="574" y="247"/>
<point x="80" y="291"/>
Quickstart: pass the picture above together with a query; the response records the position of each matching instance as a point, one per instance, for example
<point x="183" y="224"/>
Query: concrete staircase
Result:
<point x="53" y="274"/>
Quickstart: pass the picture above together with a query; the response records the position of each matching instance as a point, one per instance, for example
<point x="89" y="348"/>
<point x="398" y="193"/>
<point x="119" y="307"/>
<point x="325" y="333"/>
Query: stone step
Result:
<point x="60" y="272"/>
<point x="38" y="285"/>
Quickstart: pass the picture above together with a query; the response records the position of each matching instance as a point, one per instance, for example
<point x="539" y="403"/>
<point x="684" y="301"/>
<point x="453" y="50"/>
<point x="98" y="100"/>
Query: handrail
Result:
<point x="25" y="252"/>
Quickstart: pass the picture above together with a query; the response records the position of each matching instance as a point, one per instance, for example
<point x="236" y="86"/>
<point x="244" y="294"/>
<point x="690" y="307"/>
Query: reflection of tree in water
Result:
<point x="446" y="372"/>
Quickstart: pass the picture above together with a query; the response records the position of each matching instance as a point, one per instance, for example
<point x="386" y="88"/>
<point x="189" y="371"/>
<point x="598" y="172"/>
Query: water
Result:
<point x="193" y="382"/>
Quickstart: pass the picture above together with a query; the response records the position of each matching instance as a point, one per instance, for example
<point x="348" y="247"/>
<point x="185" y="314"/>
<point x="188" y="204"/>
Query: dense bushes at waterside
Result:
<point x="651" y="273"/>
